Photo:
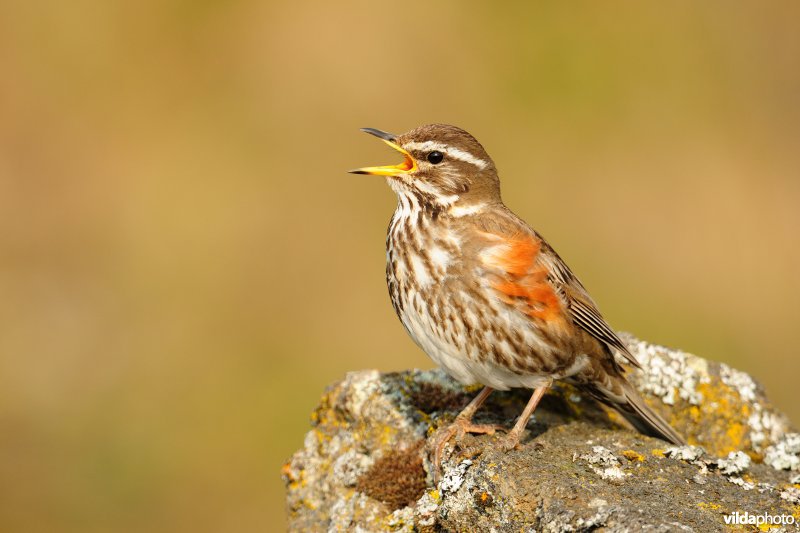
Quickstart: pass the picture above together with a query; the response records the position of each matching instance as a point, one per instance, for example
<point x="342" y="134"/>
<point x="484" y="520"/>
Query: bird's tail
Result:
<point x="624" y="398"/>
<point x="632" y="406"/>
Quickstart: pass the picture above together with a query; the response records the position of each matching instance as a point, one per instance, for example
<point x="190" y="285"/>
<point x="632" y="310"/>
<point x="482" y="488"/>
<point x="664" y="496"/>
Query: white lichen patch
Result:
<point x="791" y="495"/>
<point x="599" y="519"/>
<point x="361" y="387"/>
<point x="350" y="465"/>
<point x="735" y="463"/>
<point x="596" y="503"/>
<point x="765" y="426"/>
<point x="765" y="487"/>
<point x="426" y="508"/>
<point x="402" y="519"/>
<point x="738" y="381"/>
<point x="311" y="442"/>
<point x="701" y="477"/>
<point x="439" y="378"/>
<point x="454" y="477"/>
<point x="603" y="462"/>
<point x="344" y="509"/>
<point x="595" y="521"/>
<point x="746" y="485"/>
<point x="342" y="514"/>
<point x="784" y="454"/>
<point x="673" y="375"/>
<point x="795" y="480"/>
<point x="668" y="374"/>
<point x="690" y="454"/>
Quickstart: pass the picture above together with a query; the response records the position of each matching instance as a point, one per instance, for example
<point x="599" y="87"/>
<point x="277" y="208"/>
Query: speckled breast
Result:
<point x="446" y="304"/>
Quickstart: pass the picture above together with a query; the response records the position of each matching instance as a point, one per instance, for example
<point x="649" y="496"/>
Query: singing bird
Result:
<point x="485" y="296"/>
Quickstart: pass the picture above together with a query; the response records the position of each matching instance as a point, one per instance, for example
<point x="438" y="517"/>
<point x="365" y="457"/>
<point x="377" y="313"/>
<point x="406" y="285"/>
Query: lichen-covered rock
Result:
<point x="365" y="464"/>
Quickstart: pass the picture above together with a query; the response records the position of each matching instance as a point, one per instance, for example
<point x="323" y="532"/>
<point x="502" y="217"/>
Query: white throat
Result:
<point x="412" y="193"/>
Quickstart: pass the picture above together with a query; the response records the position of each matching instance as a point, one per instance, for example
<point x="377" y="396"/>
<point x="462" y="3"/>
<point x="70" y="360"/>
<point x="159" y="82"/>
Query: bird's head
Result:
<point x="442" y="165"/>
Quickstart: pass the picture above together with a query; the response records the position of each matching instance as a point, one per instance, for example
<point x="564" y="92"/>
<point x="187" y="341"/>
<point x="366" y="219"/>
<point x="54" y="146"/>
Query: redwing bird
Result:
<point x="484" y="295"/>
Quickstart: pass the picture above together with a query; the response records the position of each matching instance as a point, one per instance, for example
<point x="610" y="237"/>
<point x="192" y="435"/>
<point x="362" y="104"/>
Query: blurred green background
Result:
<point x="186" y="264"/>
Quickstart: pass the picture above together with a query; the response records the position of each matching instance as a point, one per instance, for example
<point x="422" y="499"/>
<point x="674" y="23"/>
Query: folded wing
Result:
<point x="534" y="279"/>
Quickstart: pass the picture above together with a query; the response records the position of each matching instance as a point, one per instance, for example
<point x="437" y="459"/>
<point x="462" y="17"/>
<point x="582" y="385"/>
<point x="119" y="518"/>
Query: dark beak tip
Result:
<point x="380" y="134"/>
<point x="356" y="171"/>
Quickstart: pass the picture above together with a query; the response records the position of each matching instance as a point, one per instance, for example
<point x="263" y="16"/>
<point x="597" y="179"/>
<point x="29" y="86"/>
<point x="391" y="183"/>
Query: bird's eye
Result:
<point x="435" y="157"/>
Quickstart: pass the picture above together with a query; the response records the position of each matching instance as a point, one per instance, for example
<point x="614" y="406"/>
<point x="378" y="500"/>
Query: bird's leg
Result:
<point x="510" y="441"/>
<point x="461" y="425"/>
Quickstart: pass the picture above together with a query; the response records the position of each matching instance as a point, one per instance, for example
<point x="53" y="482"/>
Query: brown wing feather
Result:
<point x="584" y="311"/>
<point x="541" y="280"/>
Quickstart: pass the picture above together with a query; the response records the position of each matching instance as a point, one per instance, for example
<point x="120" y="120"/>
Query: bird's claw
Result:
<point x="457" y="429"/>
<point x="509" y="442"/>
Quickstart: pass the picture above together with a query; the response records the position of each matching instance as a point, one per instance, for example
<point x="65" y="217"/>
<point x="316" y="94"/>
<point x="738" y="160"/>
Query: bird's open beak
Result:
<point x="408" y="164"/>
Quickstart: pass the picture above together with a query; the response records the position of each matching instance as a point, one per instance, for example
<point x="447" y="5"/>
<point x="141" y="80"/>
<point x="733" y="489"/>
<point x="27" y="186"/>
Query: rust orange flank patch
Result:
<point x="524" y="283"/>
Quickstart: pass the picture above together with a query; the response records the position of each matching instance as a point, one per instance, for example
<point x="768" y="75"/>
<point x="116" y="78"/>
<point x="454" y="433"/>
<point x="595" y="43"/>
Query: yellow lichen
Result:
<point x="295" y="482"/>
<point x="796" y="513"/>
<point x="709" y="506"/>
<point x="633" y="456"/>
<point x="657" y="452"/>
<point x="321" y="436"/>
<point x="326" y="417"/>
<point x="725" y="403"/>
<point x="387" y="435"/>
<point x="735" y="433"/>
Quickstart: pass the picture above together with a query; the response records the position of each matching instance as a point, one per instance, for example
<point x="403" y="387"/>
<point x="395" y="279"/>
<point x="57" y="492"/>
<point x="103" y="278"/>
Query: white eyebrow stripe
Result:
<point x="455" y="153"/>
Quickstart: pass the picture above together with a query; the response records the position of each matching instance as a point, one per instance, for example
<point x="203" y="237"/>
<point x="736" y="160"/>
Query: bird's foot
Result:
<point x="510" y="441"/>
<point x="457" y="429"/>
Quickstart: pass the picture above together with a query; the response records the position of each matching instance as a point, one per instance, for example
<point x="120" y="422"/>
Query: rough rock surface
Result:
<point x="365" y="465"/>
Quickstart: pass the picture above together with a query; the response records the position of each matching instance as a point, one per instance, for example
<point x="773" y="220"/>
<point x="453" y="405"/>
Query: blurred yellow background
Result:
<point x="186" y="264"/>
